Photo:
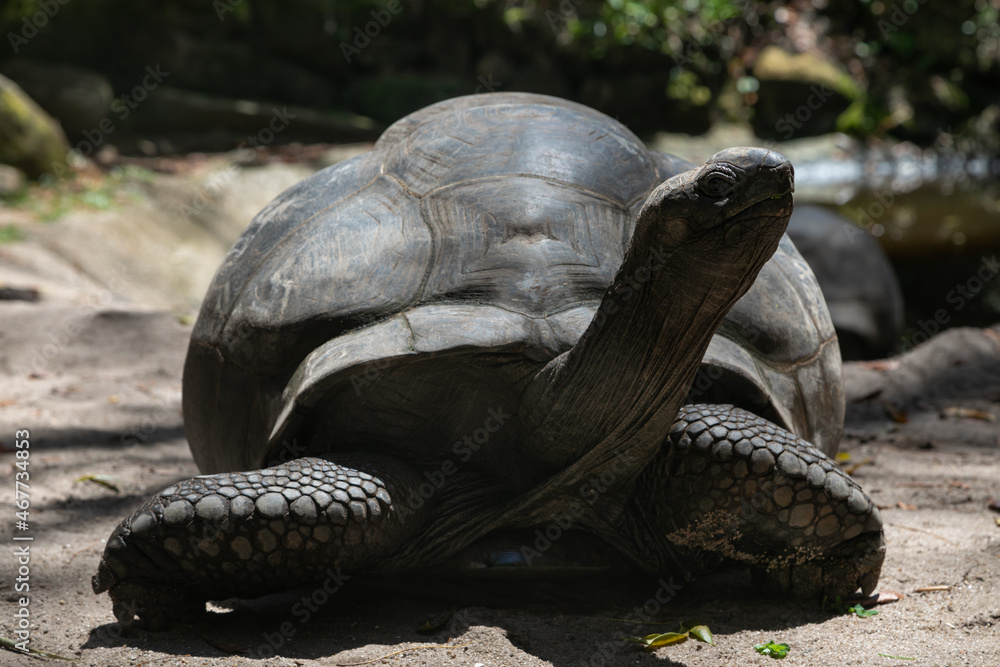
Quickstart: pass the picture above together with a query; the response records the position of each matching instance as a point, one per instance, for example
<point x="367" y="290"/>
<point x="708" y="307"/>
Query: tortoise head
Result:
<point x="700" y="240"/>
<point x="726" y="215"/>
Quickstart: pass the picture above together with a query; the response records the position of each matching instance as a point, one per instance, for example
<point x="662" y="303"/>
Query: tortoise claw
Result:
<point x="851" y="565"/>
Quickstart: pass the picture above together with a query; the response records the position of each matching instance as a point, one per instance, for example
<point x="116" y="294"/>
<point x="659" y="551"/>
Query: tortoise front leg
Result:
<point x="733" y="483"/>
<point x="246" y="534"/>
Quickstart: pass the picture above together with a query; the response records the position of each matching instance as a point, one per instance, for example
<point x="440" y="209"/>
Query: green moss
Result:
<point x="11" y="234"/>
<point x="778" y="65"/>
<point x="29" y="138"/>
<point x="53" y="198"/>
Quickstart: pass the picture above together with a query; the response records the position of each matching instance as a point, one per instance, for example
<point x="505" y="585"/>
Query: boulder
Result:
<point x="799" y="95"/>
<point x="11" y="180"/>
<point x="30" y="139"/>
<point x="78" y="98"/>
<point x="858" y="281"/>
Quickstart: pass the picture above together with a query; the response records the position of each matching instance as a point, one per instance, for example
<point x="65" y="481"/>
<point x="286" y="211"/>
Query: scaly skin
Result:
<point x="249" y="534"/>
<point x="731" y="483"/>
<point x="726" y="482"/>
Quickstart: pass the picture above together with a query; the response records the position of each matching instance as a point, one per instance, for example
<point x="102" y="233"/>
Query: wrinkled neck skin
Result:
<point x="611" y="399"/>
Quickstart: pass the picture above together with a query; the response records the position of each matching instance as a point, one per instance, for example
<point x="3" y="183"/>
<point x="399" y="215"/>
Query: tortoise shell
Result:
<point x="487" y="225"/>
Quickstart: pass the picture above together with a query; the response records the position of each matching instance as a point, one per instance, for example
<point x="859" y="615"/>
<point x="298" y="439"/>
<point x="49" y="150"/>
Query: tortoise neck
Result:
<point x="621" y="386"/>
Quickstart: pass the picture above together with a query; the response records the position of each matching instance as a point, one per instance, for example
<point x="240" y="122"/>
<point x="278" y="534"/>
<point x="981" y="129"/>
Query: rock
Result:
<point x="799" y="94"/>
<point x="233" y="68"/>
<point x="210" y="122"/>
<point x="857" y="280"/>
<point x="30" y="139"/>
<point x="78" y="98"/>
<point x="30" y="294"/>
<point x="390" y="97"/>
<point x="12" y="180"/>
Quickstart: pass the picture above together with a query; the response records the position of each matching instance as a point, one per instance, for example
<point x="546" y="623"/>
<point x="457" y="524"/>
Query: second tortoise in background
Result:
<point x="857" y="280"/>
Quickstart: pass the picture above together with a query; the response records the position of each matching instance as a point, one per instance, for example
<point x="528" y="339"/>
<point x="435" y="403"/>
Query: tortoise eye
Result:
<point x="715" y="185"/>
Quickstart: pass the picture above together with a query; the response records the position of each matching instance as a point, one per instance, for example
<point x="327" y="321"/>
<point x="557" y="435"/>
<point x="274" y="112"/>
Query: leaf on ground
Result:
<point x="702" y="634"/>
<point x="933" y="589"/>
<point x="654" y="641"/>
<point x="658" y="639"/>
<point x="11" y="646"/>
<point x="840" y="607"/>
<point x="895" y="657"/>
<point x="859" y="611"/>
<point x="776" y="651"/>
<point x="958" y="412"/>
<point x="404" y="650"/>
<point x="905" y="506"/>
<point x="843" y="457"/>
<point x="896" y="414"/>
<point x="106" y="481"/>
<point x="885" y="597"/>
<point x="853" y="468"/>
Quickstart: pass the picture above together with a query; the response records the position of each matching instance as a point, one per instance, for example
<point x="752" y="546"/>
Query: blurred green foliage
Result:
<point x="943" y="56"/>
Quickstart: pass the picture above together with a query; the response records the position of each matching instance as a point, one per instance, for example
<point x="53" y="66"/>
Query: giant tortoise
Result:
<point x="509" y="315"/>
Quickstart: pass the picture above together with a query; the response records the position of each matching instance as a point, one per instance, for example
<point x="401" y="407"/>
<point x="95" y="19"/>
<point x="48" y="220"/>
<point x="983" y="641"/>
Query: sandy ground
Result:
<point x="96" y="382"/>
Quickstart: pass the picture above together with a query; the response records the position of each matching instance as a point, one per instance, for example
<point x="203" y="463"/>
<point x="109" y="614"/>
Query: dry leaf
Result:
<point x="107" y="481"/>
<point x="885" y="597"/>
<point x="958" y="485"/>
<point x="897" y="415"/>
<point x="853" y="468"/>
<point x="113" y="398"/>
<point x="958" y="412"/>
<point x="932" y="589"/>
<point x="905" y="506"/>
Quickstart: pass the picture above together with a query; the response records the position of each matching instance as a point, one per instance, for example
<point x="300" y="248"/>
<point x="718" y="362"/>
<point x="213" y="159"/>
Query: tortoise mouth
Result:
<point x="763" y="212"/>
